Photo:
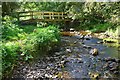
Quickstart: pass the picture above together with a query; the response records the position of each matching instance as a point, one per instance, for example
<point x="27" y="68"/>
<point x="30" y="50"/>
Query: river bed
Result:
<point x="73" y="60"/>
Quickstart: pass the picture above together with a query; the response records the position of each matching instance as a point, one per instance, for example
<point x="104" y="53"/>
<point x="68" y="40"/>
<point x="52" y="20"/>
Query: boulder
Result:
<point x="94" y="52"/>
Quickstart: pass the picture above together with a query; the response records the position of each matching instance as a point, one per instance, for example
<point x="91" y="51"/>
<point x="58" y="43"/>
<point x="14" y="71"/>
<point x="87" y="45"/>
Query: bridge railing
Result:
<point x="42" y="16"/>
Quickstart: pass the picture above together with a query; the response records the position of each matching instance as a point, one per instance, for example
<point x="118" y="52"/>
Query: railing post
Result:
<point x="52" y="15"/>
<point x="40" y="15"/>
<point x="58" y="15"/>
<point x="62" y="15"/>
<point x="43" y="15"/>
<point x="49" y="15"/>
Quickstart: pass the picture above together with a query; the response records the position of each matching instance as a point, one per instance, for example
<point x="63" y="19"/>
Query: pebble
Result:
<point x="99" y="42"/>
<point x="75" y="42"/>
<point x="57" y="53"/>
<point x="68" y="50"/>
<point x="85" y="46"/>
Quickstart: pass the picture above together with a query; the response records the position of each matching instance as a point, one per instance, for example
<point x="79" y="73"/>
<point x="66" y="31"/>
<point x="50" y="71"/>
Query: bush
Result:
<point x="23" y="44"/>
<point x="9" y="55"/>
<point x="11" y="31"/>
<point x="43" y="39"/>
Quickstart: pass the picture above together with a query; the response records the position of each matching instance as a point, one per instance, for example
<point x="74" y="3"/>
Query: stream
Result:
<point x="73" y="60"/>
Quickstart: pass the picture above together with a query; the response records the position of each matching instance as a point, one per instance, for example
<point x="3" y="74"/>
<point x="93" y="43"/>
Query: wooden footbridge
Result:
<point x="37" y="16"/>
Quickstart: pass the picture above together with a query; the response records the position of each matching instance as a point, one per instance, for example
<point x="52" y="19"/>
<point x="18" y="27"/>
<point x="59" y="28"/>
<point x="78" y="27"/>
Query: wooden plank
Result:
<point x="41" y="12"/>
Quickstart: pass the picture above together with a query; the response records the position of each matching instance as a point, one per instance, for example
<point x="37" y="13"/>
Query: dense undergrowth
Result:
<point x="23" y="43"/>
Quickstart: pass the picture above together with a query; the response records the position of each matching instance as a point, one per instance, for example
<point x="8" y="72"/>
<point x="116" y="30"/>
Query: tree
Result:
<point x="9" y="7"/>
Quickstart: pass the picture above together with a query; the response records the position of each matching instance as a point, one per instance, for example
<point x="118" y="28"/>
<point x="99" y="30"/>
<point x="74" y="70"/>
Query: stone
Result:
<point x="117" y="60"/>
<point x="87" y="37"/>
<point x="62" y="62"/>
<point x="94" y="52"/>
<point x="113" y="69"/>
<point x="57" y="53"/>
<point x="110" y="59"/>
<point x="99" y="42"/>
<point x="79" y="60"/>
<point x="94" y="75"/>
<point x="106" y="65"/>
<point x="75" y="42"/>
<point x="68" y="50"/>
<point x="116" y="72"/>
<point x="72" y="29"/>
<point x="85" y="46"/>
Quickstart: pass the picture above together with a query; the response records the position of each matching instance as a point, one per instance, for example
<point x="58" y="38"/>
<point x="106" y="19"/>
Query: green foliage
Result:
<point x="9" y="55"/>
<point x="9" y="7"/>
<point x="113" y="37"/>
<point x="101" y="27"/>
<point x="28" y="28"/>
<point x="25" y="43"/>
<point x="44" y="38"/>
<point x="42" y="6"/>
<point x="11" y="31"/>
<point x="113" y="33"/>
<point x="92" y="13"/>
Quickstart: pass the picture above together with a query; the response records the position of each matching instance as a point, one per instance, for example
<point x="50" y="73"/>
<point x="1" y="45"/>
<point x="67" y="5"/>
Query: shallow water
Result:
<point x="91" y="64"/>
<point x="107" y="51"/>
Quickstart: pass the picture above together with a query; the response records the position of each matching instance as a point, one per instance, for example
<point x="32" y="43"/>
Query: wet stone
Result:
<point x="57" y="53"/>
<point x="116" y="72"/>
<point x="117" y="60"/>
<point x="79" y="60"/>
<point x="110" y="59"/>
<point x="24" y="70"/>
<point x="68" y="50"/>
<point x="75" y="42"/>
<point x="106" y="65"/>
<point x="88" y="47"/>
<point x="113" y="69"/>
<point x="94" y="52"/>
<point x="109" y="62"/>
<point x="99" y="42"/>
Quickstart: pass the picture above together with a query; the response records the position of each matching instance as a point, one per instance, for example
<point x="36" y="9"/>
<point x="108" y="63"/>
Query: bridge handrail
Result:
<point x="43" y="14"/>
